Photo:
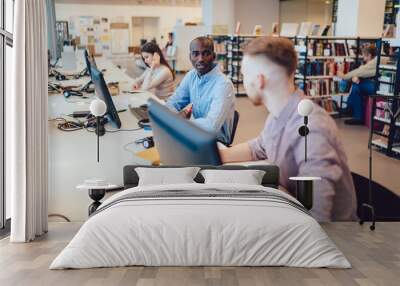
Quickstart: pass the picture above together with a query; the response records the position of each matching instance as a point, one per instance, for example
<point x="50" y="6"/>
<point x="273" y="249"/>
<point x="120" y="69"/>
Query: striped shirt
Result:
<point x="280" y="143"/>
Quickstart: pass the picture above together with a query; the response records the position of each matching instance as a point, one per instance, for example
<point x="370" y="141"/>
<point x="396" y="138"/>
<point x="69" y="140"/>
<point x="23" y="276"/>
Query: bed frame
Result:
<point x="270" y="179"/>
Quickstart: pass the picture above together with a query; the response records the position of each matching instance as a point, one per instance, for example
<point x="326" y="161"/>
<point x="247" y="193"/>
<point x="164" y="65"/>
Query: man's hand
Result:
<point x="185" y="113"/>
<point x="355" y="79"/>
<point x="237" y="153"/>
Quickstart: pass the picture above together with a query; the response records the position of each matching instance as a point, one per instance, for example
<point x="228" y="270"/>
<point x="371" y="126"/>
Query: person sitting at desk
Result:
<point x="209" y="91"/>
<point x="158" y="77"/>
<point x="363" y="84"/>
<point x="268" y="68"/>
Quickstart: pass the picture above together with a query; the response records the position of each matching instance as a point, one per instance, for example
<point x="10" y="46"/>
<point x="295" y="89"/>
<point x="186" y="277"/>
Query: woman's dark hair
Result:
<point x="152" y="48"/>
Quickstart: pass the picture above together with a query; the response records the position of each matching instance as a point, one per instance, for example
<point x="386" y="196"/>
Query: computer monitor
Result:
<point x="102" y="93"/>
<point x="87" y="61"/>
<point x="179" y="141"/>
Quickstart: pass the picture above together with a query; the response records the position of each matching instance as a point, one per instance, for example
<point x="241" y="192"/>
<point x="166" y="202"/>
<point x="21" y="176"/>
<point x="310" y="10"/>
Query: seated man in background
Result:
<point x="268" y="68"/>
<point x="363" y="84"/>
<point x="209" y="91"/>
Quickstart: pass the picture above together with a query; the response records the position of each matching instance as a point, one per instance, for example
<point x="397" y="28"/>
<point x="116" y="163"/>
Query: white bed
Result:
<point x="183" y="230"/>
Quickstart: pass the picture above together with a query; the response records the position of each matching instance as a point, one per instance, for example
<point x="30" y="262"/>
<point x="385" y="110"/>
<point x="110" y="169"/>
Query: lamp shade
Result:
<point x="98" y="107"/>
<point x="305" y="107"/>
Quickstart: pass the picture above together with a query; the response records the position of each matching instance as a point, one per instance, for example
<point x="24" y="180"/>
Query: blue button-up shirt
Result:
<point x="213" y="101"/>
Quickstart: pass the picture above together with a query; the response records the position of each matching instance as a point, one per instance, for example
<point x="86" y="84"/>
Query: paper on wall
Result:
<point x="105" y="38"/>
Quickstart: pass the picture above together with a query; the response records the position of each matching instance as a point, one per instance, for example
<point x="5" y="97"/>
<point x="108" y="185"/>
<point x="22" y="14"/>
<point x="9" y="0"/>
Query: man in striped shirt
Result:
<point x="268" y="68"/>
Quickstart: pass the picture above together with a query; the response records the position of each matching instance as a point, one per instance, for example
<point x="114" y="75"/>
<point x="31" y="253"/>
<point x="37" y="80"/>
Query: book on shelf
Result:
<point x="383" y="110"/>
<point x="289" y="29"/>
<point x="387" y="79"/>
<point x="315" y="30"/>
<point x="329" y="105"/>
<point x="305" y="29"/>
<point x="325" y="30"/>
<point x="275" y="29"/>
<point x="317" y="48"/>
<point x="321" y="87"/>
<point x="237" y="29"/>
<point x="341" y="49"/>
<point x="328" y="67"/>
<point x="219" y="48"/>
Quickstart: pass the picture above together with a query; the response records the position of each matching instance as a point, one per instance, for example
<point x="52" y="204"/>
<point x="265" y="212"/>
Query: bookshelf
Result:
<point x="385" y="116"/>
<point x="229" y="50"/>
<point x="319" y="61"/>
<point x="220" y="50"/>
<point x="320" y="58"/>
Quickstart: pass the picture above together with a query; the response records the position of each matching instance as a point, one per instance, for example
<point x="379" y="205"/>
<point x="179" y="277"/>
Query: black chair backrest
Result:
<point x="385" y="202"/>
<point x="236" y="117"/>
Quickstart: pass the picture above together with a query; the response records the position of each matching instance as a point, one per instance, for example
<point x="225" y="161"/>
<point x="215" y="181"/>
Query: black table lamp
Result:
<point x="98" y="108"/>
<point x="305" y="185"/>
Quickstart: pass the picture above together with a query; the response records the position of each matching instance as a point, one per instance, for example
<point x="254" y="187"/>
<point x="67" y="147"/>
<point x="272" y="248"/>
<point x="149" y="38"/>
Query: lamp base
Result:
<point x="305" y="193"/>
<point x="305" y="190"/>
<point x="96" y="195"/>
<point x="100" y="129"/>
<point x="372" y="210"/>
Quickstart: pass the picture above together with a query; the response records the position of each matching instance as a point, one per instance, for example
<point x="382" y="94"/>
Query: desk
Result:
<point x="72" y="155"/>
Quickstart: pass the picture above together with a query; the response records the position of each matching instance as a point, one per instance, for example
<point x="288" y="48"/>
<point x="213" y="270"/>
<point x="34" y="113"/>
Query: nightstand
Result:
<point x="305" y="190"/>
<point x="96" y="193"/>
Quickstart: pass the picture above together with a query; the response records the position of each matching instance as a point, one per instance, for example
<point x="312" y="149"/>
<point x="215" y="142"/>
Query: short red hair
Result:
<point x="278" y="50"/>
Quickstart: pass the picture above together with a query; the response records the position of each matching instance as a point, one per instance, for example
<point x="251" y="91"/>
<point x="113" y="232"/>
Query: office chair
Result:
<point x="385" y="202"/>
<point x="236" y="117"/>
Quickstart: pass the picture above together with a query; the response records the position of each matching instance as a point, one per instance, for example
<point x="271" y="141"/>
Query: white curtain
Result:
<point x="26" y="123"/>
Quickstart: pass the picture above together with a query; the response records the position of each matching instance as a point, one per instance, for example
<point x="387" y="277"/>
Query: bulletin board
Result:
<point x="93" y="32"/>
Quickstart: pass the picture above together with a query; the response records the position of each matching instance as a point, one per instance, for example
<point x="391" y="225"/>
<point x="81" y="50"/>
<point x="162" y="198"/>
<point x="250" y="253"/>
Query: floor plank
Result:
<point x="375" y="257"/>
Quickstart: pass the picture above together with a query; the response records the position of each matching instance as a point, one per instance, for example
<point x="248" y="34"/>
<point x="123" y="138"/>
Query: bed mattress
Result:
<point x="201" y="225"/>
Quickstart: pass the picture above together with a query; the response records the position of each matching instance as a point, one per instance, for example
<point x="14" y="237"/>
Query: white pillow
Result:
<point x="248" y="177"/>
<point x="166" y="176"/>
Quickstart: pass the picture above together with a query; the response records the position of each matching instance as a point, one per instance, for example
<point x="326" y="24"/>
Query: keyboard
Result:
<point x="139" y="112"/>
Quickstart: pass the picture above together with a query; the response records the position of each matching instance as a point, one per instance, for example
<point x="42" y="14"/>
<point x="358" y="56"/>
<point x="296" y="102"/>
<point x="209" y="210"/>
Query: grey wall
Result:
<point x="297" y="11"/>
<point x="256" y="12"/>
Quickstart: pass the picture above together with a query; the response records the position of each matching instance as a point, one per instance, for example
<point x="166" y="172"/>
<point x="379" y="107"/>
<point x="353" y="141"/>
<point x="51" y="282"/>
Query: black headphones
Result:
<point x="70" y="92"/>
<point x="60" y="77"/>
<point x="148" y="142"/>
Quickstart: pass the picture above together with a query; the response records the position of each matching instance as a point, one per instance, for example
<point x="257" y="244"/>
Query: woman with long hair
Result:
<point x="158" y="76"/>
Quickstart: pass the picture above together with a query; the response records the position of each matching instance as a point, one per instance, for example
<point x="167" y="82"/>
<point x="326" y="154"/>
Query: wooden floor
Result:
<point x="375" y="257"/>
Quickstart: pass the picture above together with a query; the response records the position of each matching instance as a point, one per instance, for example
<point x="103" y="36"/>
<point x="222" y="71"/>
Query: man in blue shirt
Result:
<point x="209" y="91"/>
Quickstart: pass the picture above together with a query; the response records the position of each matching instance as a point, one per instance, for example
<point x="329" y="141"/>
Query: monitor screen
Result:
<point x="87" y="61"/>
<point x="179" y="141"/>
<point x="102" y="93"/>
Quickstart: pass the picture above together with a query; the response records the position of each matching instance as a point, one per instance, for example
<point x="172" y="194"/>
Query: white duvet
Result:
<point x="200" y="231"/>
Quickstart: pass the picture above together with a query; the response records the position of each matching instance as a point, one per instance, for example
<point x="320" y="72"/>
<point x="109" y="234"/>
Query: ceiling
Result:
<point x="189" y="3"/>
